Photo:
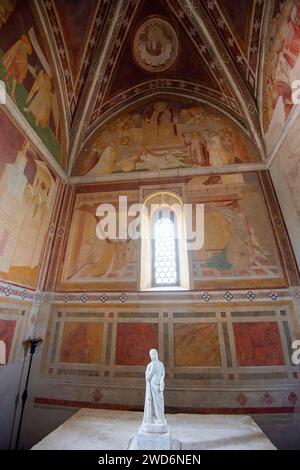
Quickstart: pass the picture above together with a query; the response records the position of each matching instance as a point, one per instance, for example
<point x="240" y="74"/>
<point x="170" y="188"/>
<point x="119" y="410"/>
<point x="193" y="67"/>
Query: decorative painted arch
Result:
<point x="164" y="131"/>
<point x="208" y="46"/>
<point x="156" y="89"/>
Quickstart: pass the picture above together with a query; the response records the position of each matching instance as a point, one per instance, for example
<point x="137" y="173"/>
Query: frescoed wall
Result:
<point x="27" y="194"/>
<point x="25" y="69"/>
<point x="97" y="262"/>
<point x="134" y="341"/>
<point x="218" y="356"/>
<point x="225" y="338"/>
<point x="165" y="135"/>
<point x="258" y="344"/>
<point x="196" y="345"/>
<point x="240" y="248"/>
<point x="282" y="67"/>
<point x="16" y="326"/>
<point x="239" y="240"/>
<point x="14" y="321"/>
<point x="82" y="342"/>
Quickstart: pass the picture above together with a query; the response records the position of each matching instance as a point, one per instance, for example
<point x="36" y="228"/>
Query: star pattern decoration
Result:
<point x="84" y="298"/>
<point x="103" y="298"/>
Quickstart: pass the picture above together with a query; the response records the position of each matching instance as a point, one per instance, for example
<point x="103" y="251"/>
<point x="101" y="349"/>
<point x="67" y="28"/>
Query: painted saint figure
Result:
<point x="154" y="397"/>
<point x="41" y="101"/>
<point x="15" y="60"/>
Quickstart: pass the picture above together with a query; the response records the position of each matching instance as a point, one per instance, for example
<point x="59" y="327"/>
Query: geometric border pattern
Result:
<point x="10" y="291"/>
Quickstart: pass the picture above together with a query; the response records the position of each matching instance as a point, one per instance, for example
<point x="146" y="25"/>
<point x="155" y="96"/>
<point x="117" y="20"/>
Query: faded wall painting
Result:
<point x="165" y="135"/>
<point x="239" y="243"/>
<point x="134" y="341"/>
<point x="217" y="355"/>
<point x="196" y="345"/>
<point x="81" y="343"/>
<point x="107" y="263"/>
<point x="28" y="76"/>
<point x="27" y="194"/>
<point x="258" y="344"/>
<point x="282" y="67"/>
<point x="240" y="249"/>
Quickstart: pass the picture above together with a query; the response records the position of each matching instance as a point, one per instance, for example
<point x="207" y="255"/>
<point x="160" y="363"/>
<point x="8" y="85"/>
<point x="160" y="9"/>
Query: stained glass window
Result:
<point x="165" y="251"/>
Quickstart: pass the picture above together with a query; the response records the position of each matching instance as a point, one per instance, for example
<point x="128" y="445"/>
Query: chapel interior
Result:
<point x="192" y="102"/>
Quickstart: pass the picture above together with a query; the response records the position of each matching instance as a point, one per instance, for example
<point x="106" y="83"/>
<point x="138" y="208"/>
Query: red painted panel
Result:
<point x="81" y="343"/>
<point x="134" y="341"/>
<point x="258" y="344"/>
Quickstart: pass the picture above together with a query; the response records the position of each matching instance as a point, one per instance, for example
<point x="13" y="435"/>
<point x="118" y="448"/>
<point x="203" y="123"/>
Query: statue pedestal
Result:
<point x="154" y="437"/>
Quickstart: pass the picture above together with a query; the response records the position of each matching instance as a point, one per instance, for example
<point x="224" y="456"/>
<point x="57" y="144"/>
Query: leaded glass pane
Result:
<point x="165" y="269"/>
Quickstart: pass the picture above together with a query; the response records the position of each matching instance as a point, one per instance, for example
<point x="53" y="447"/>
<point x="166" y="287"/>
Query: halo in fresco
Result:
<point x="155" y="45"/>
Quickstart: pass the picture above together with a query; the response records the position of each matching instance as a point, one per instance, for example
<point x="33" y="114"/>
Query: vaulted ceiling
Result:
<point x="218" y="61"/>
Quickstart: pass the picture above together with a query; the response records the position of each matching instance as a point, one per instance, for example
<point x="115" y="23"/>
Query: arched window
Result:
<point x="165" y="268"/>
<point x="164" y="258"/>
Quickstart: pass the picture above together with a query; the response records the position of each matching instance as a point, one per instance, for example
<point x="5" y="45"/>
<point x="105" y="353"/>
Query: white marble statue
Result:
<point x="154" y="433"/>
<point x="154" y="411"/>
